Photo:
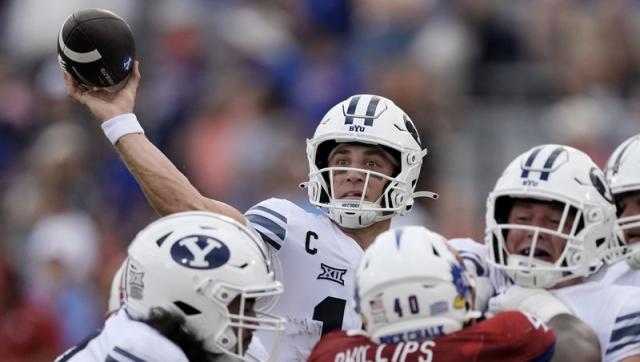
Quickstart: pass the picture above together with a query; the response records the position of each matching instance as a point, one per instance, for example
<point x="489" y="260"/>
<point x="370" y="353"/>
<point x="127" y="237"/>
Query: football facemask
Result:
<point x="568" y="177"/>
<point x="623" y="175"/>
<point x="374" y="121"/>
<point x="196" y="264"/>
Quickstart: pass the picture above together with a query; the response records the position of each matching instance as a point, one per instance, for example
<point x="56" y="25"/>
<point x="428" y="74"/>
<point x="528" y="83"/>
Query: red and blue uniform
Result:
<point x="509" y="336"/>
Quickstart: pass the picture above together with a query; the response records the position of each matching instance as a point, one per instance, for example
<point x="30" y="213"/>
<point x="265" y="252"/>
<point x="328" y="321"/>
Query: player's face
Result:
<point x="234" y="308"/>
<point x="350" y="184"/>
<point x="629" y="205"/>
<point x="544" y="214"/>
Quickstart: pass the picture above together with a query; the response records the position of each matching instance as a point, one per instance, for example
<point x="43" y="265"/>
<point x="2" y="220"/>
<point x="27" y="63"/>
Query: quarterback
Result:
<point x="364" y="160"/>
<point x="549" y="225"/>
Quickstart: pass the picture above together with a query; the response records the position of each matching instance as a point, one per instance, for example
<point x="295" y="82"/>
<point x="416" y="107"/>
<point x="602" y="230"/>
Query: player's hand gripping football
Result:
<point x="103" y="104"/>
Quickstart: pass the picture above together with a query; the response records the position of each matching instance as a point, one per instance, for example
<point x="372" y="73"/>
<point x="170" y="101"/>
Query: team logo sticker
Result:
<point x="378" y="313"/>
<point x="200" y="252"/>
<point x="135" y="281"/>
<point x="332" y="274"/>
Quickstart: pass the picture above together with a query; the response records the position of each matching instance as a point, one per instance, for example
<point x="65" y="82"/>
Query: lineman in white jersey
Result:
<point x="364" y="158"/>
<point x="191" y="281"/>
<point x="548" y="225"/>
<point x="623" y="176"/>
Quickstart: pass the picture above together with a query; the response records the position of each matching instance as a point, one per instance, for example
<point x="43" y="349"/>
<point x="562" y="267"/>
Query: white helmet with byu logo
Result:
<point x="623" y="176"/>
<point x="369" y="120"/>
<point x="565" y="175"/>
<point x="410" y="287"/>
<point x="195" y="264"/>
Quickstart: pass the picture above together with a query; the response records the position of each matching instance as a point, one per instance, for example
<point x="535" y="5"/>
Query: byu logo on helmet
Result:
<point x="200" y="252"/>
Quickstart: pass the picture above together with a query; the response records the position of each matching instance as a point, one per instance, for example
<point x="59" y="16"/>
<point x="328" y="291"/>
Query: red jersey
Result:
<point x="509" y="336"/>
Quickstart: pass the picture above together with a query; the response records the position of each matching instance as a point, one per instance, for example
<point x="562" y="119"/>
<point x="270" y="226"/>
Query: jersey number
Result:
<point x="330" y="312"/>
<point x="414" y="308"/>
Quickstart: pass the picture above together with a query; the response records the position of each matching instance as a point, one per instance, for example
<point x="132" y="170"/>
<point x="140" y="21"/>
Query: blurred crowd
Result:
<point x="230" y="90"/>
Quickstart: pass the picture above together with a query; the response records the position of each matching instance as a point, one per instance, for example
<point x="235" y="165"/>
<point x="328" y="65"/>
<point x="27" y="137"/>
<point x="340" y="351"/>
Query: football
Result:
<point x="97" y="48"/>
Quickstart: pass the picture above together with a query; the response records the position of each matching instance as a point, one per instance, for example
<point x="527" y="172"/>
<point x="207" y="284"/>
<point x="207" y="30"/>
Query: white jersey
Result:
<point x="619" y="273"/>
<point x="316" y="263"/>
<point x="613" y="311"/>
<point x="125" y="340"/>
<point x="615" y="318"/>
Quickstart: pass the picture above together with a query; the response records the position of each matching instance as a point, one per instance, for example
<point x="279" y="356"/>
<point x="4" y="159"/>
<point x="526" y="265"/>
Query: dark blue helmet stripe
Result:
<point x="527" y="165"/>
<point x="351" y="110"/>
<point x="269" y="211"/>
<point x="266" y="223"/>
<point x="549" y="164"/>
<point x="411" y="128"/>
<point x="616" y="164"/>
<point x="371" y="110"/>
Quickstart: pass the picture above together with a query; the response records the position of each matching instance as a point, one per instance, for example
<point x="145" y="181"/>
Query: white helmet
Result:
<point x="569" y="177"/>
<point x="370" y="120"/>
<point x="409" y="286"/>
<point x="623" y="176"/>
<point x="194" y="264"/>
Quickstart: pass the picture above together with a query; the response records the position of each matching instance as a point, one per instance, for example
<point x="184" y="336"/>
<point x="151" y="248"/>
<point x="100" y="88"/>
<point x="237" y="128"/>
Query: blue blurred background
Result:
<point x="230" y="90"/>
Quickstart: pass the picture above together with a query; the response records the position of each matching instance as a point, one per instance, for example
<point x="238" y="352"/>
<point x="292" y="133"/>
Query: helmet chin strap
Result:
<point x="532" y="278"/>
<point x="356" y="219"/>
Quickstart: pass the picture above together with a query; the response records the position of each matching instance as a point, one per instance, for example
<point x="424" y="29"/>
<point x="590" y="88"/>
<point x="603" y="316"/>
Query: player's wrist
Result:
<point x="121" y="125"/>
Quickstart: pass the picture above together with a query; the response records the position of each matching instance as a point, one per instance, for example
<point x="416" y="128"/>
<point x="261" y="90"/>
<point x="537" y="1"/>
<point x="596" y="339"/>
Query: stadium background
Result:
<point x="230" y="89"/>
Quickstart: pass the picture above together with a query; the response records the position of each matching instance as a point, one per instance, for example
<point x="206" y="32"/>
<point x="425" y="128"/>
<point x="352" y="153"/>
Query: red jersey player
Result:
<point x="509" y="336"/>
<point x="416" y="302"/>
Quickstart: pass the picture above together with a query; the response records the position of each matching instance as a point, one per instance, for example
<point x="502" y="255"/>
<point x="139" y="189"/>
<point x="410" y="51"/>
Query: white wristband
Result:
<point x="121" y="125"/>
